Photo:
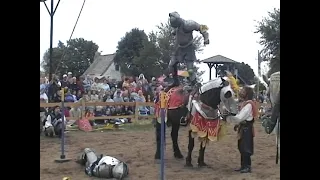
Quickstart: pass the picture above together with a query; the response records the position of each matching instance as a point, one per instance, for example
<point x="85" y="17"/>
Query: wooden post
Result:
<point x="136" y="112"/>
<point x="83" y="107"/>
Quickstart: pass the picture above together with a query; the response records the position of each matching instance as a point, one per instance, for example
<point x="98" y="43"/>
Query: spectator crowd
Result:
<point x="99" y="89"/>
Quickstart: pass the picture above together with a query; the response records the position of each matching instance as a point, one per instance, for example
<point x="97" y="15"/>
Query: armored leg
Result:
<point x="192" y="74"/>
<point x="190" y="149"/>
<point x="173" y="69"/>
<point x="90" y="158"/>
<point x="201" y="162"/>
<point x="174" y="137"/>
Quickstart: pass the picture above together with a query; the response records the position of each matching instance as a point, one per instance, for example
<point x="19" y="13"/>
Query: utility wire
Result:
<point x="74" y="27"/>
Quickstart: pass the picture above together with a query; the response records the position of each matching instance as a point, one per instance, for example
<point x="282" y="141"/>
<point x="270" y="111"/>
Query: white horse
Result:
<point x="273" y="91"/>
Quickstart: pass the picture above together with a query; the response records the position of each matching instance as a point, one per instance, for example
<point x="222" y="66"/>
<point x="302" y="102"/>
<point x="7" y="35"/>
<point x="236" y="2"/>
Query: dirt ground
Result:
<point x="137" y="148"/>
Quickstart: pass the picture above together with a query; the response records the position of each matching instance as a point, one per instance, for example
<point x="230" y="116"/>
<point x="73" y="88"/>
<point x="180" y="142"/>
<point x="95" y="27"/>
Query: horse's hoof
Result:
<point x="188" y="165"/>
<point x="202" y="165"/>
<point x="178" y="156"/>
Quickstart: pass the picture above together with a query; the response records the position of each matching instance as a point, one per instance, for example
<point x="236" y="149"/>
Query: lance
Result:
<point x="278" y="139"/>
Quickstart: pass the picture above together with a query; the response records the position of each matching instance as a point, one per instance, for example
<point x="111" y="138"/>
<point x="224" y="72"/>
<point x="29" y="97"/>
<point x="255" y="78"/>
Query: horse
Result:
<point x="205" y="120"/>
<point x="177" y="99"/>
<point x="271" y="122"/>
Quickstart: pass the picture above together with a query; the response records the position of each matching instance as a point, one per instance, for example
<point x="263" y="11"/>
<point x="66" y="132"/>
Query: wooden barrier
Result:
<point x="85" y="104"/>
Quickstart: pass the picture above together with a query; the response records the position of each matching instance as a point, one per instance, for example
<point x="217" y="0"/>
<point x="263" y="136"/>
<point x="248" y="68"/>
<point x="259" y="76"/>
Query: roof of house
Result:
<point x="100" y="64"/>
<point x="218" y="59"/>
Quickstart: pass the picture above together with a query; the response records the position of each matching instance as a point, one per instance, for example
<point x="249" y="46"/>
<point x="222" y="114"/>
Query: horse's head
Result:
<point x="216" y="91"/>
<point x="274" y="86"/>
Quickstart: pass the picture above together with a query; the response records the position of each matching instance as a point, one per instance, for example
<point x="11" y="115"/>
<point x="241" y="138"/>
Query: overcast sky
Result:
<point x="231" y="23"/>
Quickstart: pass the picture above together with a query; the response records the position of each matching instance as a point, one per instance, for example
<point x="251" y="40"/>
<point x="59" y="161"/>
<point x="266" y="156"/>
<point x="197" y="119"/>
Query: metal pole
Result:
<point x="62" y="156"/>
<point x="51" y="41"/>
<point x="162" y="113"/>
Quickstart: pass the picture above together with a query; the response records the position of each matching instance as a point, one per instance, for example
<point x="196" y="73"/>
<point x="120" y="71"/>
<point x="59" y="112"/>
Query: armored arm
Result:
<point x="174" y="31"/>
<point x="191" y="25"/>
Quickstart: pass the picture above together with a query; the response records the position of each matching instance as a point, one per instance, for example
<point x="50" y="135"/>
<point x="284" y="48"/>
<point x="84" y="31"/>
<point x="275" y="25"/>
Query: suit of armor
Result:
<point x="184" y="48"/>
<point x="103" y="166"/>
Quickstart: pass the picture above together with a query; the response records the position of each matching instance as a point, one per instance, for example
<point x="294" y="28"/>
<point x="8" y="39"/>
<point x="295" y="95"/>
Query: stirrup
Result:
<point x="183" y="123"/>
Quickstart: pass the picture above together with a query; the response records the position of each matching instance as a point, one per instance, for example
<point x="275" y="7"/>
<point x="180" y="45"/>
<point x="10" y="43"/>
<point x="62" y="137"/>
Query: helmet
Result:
<point x="120" y="170"/>
<point x="175" y="20"/>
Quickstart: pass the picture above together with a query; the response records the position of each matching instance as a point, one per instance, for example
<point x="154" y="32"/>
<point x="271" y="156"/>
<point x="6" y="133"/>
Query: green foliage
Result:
<point x="165" y="43"/>
<point x="128" y="48"/>
<point x="75" y="58"/>
<point x="245" y="72"/>
<point x="138" y="53"/>
<point x="269" y="28"/>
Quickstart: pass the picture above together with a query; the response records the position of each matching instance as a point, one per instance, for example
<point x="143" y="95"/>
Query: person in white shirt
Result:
<point x="244" y="126"/>
<point x="105" y="86"/>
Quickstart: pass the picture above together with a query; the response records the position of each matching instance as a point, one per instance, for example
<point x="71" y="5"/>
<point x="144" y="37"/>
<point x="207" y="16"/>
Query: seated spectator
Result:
<point x="117" y="97"/>
<point x="79" y="95"/>
<point x="126" y="83"/>
<point x="69" y="97"/>
<point x="64" y="82"/>
<point x="105" y="86"/>
<point x="74" y="94"/>
<point x="74" y="86"/>
<point x="94" y="96"/>
<point x="89" y="113"/>
<point x="69" y="77"/>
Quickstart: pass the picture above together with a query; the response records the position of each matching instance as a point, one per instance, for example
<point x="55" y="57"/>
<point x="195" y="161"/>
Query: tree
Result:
<point x="269" y="28"/>
<point x="148" y="61"/>
<point x="75" y="58"/>
<point x="165" y="43"/>
<point x="245" y="72"/>
<point x="128" y="48"/>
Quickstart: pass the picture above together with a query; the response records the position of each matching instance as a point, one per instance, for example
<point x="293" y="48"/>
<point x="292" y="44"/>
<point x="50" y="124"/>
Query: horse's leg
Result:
<point x="158" y="139"/>
<point x="201" y="162"/>
<point x="190" y="149"/>
<point x="175" y="133"/>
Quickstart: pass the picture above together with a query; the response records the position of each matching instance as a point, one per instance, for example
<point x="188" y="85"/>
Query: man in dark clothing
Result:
<point x="64" y="82"/>
<point x="53" y="123"/>
<point x="52" y="89"/>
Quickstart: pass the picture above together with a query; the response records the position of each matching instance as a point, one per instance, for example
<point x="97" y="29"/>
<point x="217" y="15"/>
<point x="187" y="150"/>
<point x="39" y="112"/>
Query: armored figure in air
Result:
<point x="184" y="49"/>
<point x="103" y="166"/>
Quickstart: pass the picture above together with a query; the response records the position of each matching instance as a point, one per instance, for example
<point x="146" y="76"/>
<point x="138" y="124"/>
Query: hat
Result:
<point x="64" y="75"/>
<point x="69" y="73"/>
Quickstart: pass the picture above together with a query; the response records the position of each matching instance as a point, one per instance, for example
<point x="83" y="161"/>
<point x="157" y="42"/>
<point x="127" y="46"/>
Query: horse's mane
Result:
<point x="211" y="97"/>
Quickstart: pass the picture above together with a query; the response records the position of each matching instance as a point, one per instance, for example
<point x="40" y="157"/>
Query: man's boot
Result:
<point x="247" y="164"/>
<point x="242" y="164"/>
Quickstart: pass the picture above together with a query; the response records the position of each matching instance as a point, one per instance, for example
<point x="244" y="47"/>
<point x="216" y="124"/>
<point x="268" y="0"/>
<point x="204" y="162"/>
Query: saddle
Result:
<point x="206" y="111"/>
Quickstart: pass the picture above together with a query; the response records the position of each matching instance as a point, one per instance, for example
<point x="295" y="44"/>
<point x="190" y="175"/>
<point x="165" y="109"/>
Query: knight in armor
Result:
<point x="53" y="123"/>
<point x="102" y="166"/>
<point x="244" y="126"/>
<point x="184" y="48"/>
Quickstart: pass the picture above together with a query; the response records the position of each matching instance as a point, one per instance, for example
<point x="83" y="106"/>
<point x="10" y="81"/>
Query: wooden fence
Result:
<point x="84" y="104"/>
